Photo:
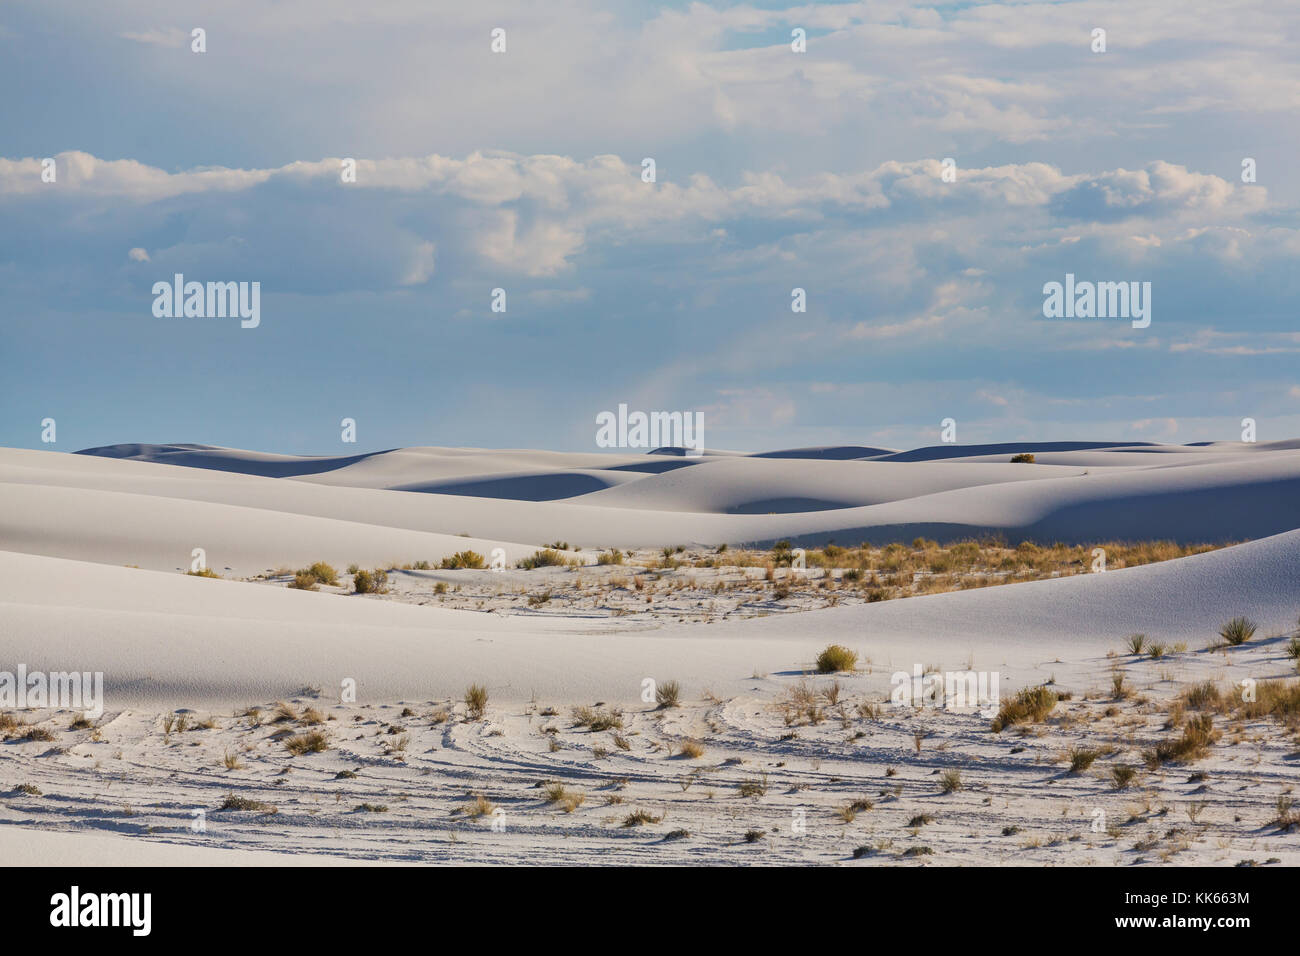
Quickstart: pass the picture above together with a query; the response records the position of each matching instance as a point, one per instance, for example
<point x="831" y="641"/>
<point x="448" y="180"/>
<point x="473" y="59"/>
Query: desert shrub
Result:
<point x="311" y="742"/>
<point x="1194" y="743"/>
<point x="476" y="698"/>
<point x="321" y="572"/>
<point x="1032" y="704"/>
<point x="1122" y="776"/>
<point x="1203" y="696"/>
<point x="668" y="693"/>
<point x="614" y="556"/>
<point x="692" y="749"/>
<point x="1136" y="642"/>
<point x="204" y="573"/>
<point x="1081" y="758"/>
<point x="546" y="558"/>
<point x="1273" y="698"/>
<point x="303" y="581"/>
<point x="1238" y="631"/>
<point x="597" y="720"/>
<point x="950" y="781"/>
<point x="463" y="560"/>
<point x="1024" y="458"/>
<point x="835" y="658"/>
<point x="370" y="582"/>
<point x="233" y="802"/>
<point x="638" y="817"/>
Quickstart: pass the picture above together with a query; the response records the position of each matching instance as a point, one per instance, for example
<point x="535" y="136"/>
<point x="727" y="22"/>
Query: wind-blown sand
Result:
<point x="71" y="524"/>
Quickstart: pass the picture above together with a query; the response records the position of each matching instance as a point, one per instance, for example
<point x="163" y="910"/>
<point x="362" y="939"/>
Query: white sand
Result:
<point x="70" y="524"/>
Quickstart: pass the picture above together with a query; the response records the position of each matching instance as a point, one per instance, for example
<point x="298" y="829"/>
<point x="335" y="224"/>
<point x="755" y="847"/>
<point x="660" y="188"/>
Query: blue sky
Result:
<point x="521" y="171"/>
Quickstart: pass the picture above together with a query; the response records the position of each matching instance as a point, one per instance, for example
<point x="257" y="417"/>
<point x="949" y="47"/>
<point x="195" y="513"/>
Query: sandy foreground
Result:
<point x="762" y="761"/>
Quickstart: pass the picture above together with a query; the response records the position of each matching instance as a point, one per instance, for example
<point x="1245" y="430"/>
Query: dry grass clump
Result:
<point x="1122" y="776"/>
<point x="1031" y="705"/>
<point x="480" y="806"/>
<point x="1194" y="743"/>
<point x="203" y="573"/>
<point x="950" y="781"/>
<point x="462" y="560"/>
<point x="754" y="787"/>
<point x="1081" y="758"/>
<point x="233" y="802"/>
<point x="1204" y="696"/>
<point x="1287" y="816"/>
<point x="613" y="556"/>
<point x="836" y="658"/>
<point x="639" y="817"/>
<point x="284" y="712"/>
<point x="1274" y="698"/>
<point x="545" y="558"/>
<point x="568" y="800"/>
<point x="692" y="749"/>
<point x="476" y="698"/>
<point x="596" y="720"/>
<point x="311" y="742"/>
<point x="668" y="694"/>
<point x="232" y="761"/>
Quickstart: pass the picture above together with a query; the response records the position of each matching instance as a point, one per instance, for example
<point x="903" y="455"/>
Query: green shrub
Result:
<point x="464" y="560"/>
<point x="546" y="558"/>
<point x="1238" y="631"/>
<point x="835" y="658"/>
<point x="1030" y="705"/>
<point x="370" y="582"/>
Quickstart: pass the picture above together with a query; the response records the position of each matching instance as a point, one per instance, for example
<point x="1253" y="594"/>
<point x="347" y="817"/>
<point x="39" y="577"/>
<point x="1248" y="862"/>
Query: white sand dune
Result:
<point x="166" y="639"/>
<point x="163" y="640"/>
<point x="134" y="510"/>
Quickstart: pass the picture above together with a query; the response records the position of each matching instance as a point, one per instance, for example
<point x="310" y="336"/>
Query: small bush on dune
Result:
<point x="546" y="558"/>
<point x="233" y="802"/>
<point x="1238" y="631"/>
<point x="464" y="560"/>
<point x="1081" y="758"/>
<point x="303" y="581"/>
<point x="323" y="573"/>
<point x="610" y="557"/>
<point x="1136" y="642"/>
<point x="1029" y="706"/>
<point x="370" y="582"/>
<point x="476" y="698"/>
<point x="204" y="573"/>
<point x="667" y="693"/>
<point x="312" y="742"/>
<point x="1024" y="458"/>
<point x="836" y="658"/>
<point x="1122" y="776"/>
<point x="1194" y="743"/>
